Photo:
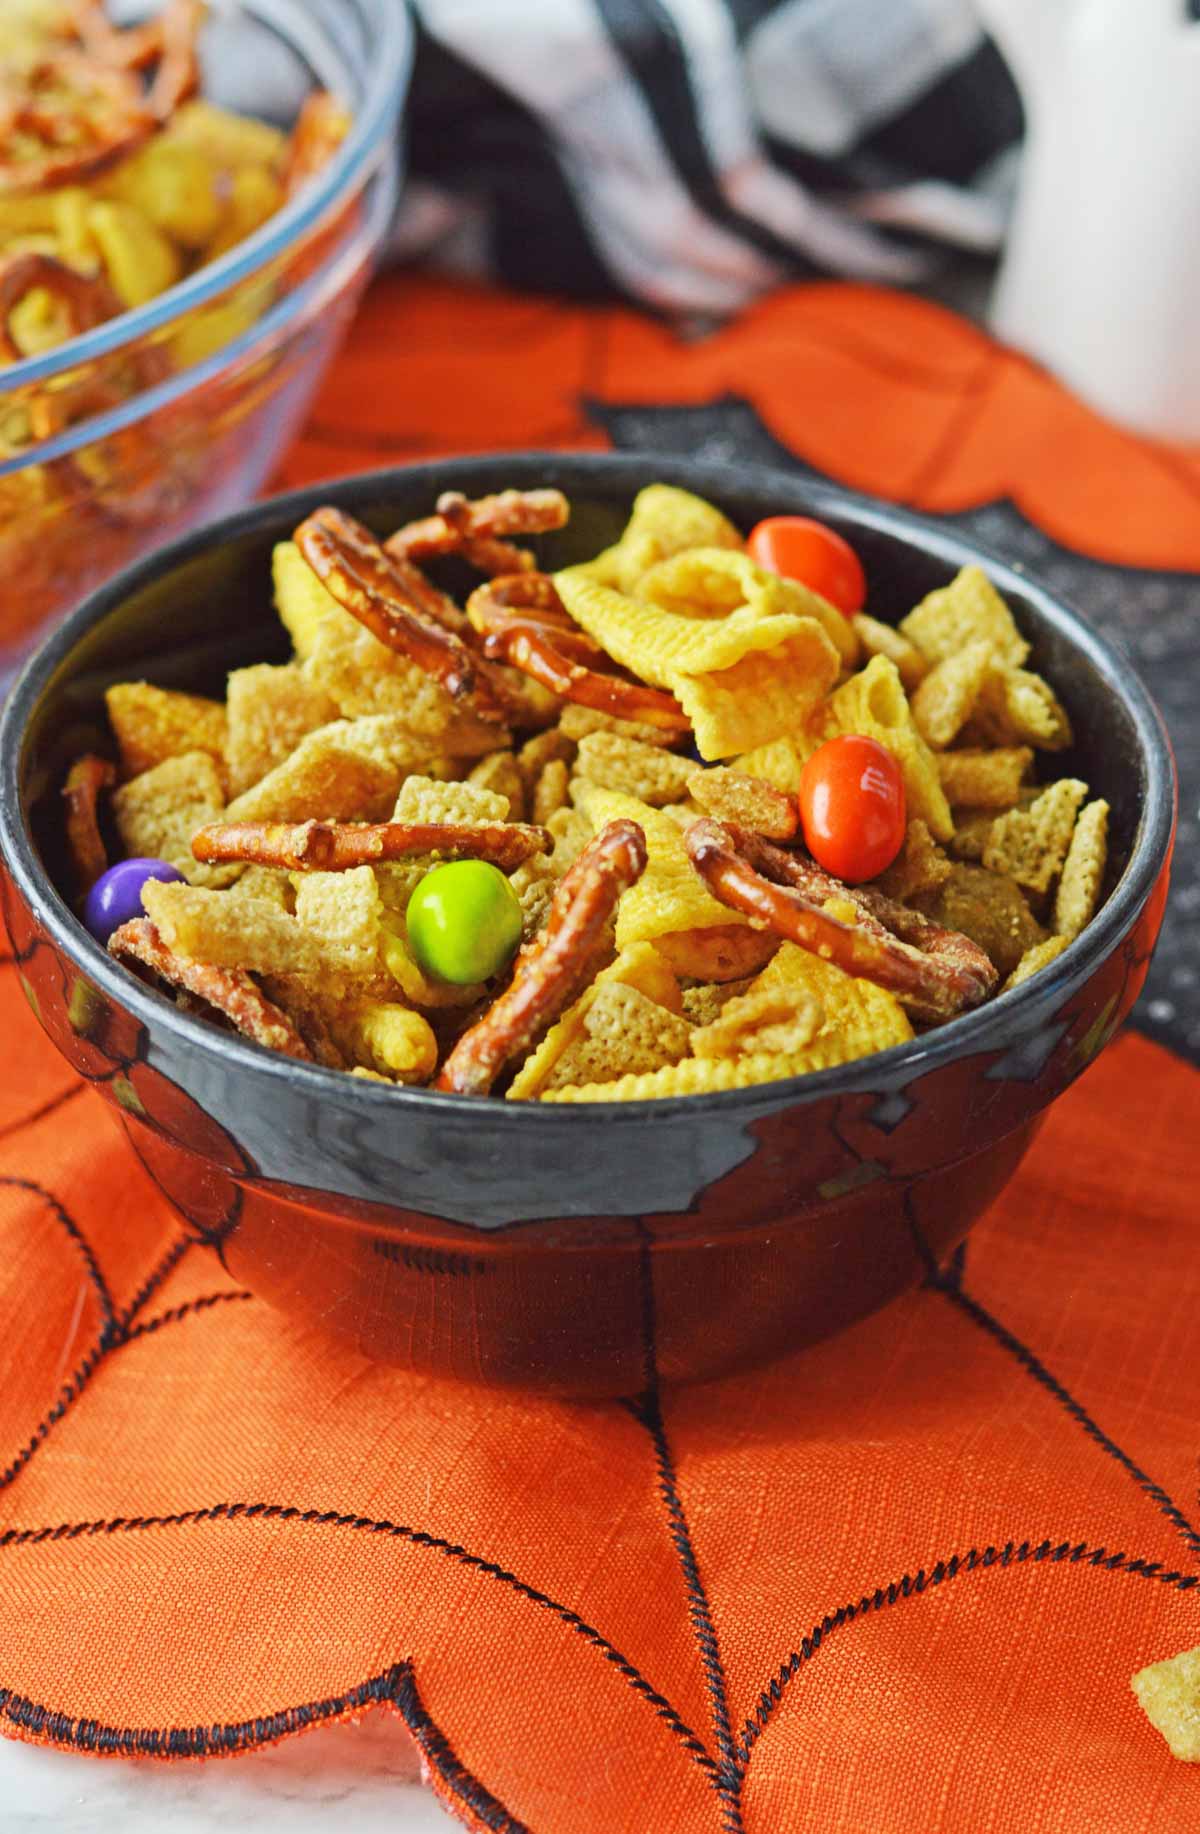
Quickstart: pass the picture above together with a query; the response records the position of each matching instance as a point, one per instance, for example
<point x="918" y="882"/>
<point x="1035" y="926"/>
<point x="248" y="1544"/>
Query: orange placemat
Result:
<point x="896" y="1583"/>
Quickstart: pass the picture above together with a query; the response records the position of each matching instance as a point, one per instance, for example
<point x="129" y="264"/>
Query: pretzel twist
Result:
<point x="87" y="780"/>
<point x="476" y="529"/>
<point x="934" y="972"/>
<point x="524" y="622"/>
<point x="316" y="846"/>
<point x="165" y="45"/>
<point x="229" y="990"/>
<point x="85" y="114"/>
<point x="397" y="604"/>
<point x="550" y="970"/>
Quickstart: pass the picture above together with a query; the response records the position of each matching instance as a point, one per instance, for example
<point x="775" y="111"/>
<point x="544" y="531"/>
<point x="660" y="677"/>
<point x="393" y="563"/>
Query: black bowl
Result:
<point x="559" y="1246"/>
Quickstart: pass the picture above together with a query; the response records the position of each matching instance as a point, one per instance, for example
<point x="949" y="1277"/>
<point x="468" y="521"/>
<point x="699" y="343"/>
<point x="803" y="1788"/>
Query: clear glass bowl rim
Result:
<point x="389" y="67"/>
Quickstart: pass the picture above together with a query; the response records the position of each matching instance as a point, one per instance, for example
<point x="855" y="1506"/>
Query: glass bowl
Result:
<point x="247" y="338"/>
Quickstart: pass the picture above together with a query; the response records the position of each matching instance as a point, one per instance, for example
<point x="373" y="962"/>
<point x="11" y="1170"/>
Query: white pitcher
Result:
<point x="1101" y="273"/>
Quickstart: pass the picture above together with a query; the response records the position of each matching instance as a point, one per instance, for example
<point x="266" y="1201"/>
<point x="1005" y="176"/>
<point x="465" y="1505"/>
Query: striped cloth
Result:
<point x="689" y="154"/>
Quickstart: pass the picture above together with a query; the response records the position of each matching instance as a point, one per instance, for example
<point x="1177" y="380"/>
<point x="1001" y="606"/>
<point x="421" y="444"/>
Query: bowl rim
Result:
<point x="389" y="69"/>
<point x="898" y="1065"/>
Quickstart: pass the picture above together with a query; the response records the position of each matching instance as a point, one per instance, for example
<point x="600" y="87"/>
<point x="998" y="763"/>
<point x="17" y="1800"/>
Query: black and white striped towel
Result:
<point x="691" y="153"/>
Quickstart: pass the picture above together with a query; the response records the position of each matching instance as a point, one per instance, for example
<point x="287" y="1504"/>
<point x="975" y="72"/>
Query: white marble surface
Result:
<point x="361" y="1776"/>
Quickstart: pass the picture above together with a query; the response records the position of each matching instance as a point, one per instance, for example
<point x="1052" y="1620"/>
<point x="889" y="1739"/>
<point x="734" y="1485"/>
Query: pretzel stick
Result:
<point x="393" y="600"/>
<point x="315" y="846"/>
<point x="474" y="529"/>
<point x="550" y="970"/>
<point x="935" y="973"/>
<point x="230" y="990"/>
<point x="524" y="623"/>
<point x="87" y="779"/>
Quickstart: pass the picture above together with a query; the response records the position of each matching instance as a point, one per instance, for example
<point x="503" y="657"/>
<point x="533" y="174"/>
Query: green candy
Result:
<point x="464" y="922"/>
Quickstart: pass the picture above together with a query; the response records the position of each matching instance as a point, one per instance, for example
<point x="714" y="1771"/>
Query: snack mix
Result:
<point x="663" y="823"/>
<point x="117" y="180"/>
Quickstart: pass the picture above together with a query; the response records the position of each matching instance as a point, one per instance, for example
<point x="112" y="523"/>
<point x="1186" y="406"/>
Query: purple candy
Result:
<point x="116" y="897"/>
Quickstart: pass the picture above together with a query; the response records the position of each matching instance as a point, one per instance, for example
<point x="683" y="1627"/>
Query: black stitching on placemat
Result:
<point x="99" y="1352"/>
<point x="1034" y="1367"/>
<point x="647" y="1409"/>
<point x="154" y="1279"/>
<point x="439" y="1752"/>
<point x="1011" y="1554"/>
<point x="80" y="1240"/>
<point x="333" y="1518"/>
<point x="47" y="1108"/>
<point x="396" y="1687"/>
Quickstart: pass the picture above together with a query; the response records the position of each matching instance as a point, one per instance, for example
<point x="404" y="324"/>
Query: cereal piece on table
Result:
<point x="1083" y="871"/>
<point x="721" y="635"/>
<point x="751" y="802"/>
<point x="777" y="1019"/>
<point x="361" y="675"/>
<point x="668" y="896"/>
<point x="966" y="611"/>
<point x="878" y="639"/>
<point x="664" y="521"/>
<point x="920" y="866"/>
<point x="1040" y="956"/>
<point x="984" y="779"/>
<point x="640" y="968"/>
<point x="622" y="1033"/>
<point x="344" y="910"/>
<point x="705" y="1002"/>
<point x="1031" y="844"/>
<point x="151" y="724"/>
<point x="249" y="933"/>
<point x="270" y="709"/>
<point x="551" y="792"/>
<point x="1017" y="707"/>
<point x="500" y="773"/>
<point x="345" y="771"/>
<point x="683" y="814"/>
<point x="874" y="703"/>
<point x="646" y="771"/>
<point x="945" y="700"/>
<point x="575" y="722"/>
<point x="300" y="599"/>
<point x="543" y="746"/>
<point x="988" y="907"/>
<point x="1168" y="1693"/>
<point x="158" y="812"/>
